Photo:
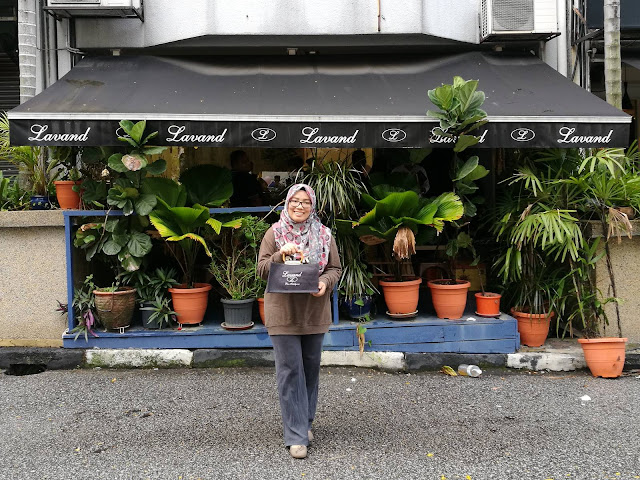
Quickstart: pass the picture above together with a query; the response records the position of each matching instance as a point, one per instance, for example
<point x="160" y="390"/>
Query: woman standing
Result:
<point x="297" y="322"/>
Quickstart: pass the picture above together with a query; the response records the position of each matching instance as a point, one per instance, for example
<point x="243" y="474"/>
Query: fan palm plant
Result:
<point x="182" y="215"/>
<point x="547" y="257"/>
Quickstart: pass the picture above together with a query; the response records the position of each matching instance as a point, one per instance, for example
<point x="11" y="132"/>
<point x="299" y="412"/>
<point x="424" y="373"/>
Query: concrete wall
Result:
<point x="624" y="257"/>
<point x="169" y="21"/>
<point x="33" y="278"/>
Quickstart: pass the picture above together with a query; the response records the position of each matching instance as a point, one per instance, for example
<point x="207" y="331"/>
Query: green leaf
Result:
<point x="441" y="97"/>
<point x="128" y="261"/>
<point x="170" y="192"/>
<point x="465" y="93"/>
<point x="111" y="248"/>
<point x="208" y="185"/>
<point x="120" y="238"/>
<point x="149" y="137"/>
<point x="158" y="167"/>
<point x="470" y="209"/>
<point x="464" y="142"/>
<point x="137" y="131"/>
<point x="153" y="150"/>
<point x="126" y="125"/>
<point x="468" y="167"/>
<point x="92" y="250"/>
<point x="179" y="221"/>
<point x="139" y="244"/>
<point x="115" y="163"/>
<point x="478" y="173"/>
<point x="111" y="224"/>
<point x="145" y="203"/>
<point x="129" y="141"/>
<point x="126" y="206"/>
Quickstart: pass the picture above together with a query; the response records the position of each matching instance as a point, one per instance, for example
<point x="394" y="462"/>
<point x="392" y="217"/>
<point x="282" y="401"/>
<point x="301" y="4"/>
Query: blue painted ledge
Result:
<point x="425" y="333"/>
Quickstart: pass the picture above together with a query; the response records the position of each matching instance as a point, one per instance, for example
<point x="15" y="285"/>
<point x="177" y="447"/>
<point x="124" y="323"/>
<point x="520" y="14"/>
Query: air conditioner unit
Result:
<point x="95" y="8"/>
<point x="518" y="20"/>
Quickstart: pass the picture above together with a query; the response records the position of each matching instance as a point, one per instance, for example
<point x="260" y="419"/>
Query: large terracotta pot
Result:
<point x="449" y="300"/>
<point x="67" y="198"/>
<point x="604" y="356"/>
<point x="533" y="327"/>
<point x="190" y="303"/>
<point x="401" y="297"/>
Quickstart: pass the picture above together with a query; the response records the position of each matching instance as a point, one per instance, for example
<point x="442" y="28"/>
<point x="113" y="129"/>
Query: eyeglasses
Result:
<point x="296" y="203"/>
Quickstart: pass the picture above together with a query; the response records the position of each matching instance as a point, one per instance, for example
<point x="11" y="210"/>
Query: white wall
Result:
<point x="555" y="51"/>
<point x="171" y="20"/>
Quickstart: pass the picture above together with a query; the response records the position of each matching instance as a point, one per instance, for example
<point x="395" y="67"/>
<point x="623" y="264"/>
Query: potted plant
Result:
<point x="459" y="114"/>
<point x="398" y="217"/>
<point x="114" y="306"/>
<point x="234" y="267"/>
<point x="606" y="180"/>
<point x="84" y="309"/>
<point x="35" y="163"/>
<point x="68" y="183"/>
<point x="157" y="313"/>
<point x="356" y="287"/>
<point x="542" y="219"/>
<point x="151" y="291"/>
<point x="181" y="218"/>
<point x="538" y="235"/>
<point x="12" y="195"/>
<point x="262" y="285"/>
<point x="339" y="185"/>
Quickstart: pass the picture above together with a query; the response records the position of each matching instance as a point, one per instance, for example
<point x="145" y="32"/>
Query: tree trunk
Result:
<point x="612" y="62"/>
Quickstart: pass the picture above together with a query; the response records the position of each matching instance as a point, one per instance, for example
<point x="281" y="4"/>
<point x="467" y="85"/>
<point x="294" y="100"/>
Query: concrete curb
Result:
<point x="435" y="361"/>
<point x="138" y="358"/>
<point x="51" y="358"/>
<point x="550" y="359"/>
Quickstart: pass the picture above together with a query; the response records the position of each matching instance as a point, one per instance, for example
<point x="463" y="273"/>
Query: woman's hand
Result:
<point x="322" y="289"/>
<point x="289" y="249"/>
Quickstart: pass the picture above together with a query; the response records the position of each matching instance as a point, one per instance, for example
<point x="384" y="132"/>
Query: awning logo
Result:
<point x="311" y="134"/>
<point x="40" y="135"/>
<point x="435" y="138"/>
<point x="394" y="135"/>
<point x="176" y="132"/>
<point x="121" y="133"/>
<point x="569" y="135"/>
<point x="523" y="134"/>
<point x="264" y="134"/>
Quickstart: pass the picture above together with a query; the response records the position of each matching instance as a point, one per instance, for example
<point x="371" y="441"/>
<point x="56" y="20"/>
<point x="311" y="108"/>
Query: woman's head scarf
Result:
<point x="311" y="236"/>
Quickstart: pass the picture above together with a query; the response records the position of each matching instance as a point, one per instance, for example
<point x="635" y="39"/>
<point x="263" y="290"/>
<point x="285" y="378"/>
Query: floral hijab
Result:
<point x="313" y="238"/>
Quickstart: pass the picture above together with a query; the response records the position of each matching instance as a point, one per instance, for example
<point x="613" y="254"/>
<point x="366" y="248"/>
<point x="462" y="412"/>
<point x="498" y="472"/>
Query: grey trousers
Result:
<point x="297" y="374"/>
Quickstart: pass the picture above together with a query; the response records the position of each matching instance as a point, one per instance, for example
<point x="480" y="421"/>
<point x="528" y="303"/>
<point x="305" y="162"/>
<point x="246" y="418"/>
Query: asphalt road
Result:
<point x="224" y="423"/>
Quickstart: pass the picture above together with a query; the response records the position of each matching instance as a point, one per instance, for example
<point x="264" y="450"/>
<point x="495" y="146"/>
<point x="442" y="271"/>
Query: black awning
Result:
<point x="311" y="101"/>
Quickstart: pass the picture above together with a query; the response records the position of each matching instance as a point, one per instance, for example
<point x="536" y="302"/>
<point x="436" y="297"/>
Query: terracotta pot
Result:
<point x="401" y="297"/>
<point x="190" y="303"/>
<point x="488" y="304"/>
<point x="261" y="308"/>
<point x="115" y="309"/>
<point x="67" y="198"/>
<point x="449" y="300"/>
<point x="533" y="327"/>
<point x="604" y="356"/>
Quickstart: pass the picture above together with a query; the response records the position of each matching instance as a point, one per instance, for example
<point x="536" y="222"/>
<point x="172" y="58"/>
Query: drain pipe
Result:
<point x="379" y="17"/>
<point x="27" y="48"/>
